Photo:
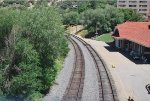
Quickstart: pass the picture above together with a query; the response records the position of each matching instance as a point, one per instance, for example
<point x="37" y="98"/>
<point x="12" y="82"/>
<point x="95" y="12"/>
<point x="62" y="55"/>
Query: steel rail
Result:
<point x="107" y="91"/>
<point x="75" y="87"/>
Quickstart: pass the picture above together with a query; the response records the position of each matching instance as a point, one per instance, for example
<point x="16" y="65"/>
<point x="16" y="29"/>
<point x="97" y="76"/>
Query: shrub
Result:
<point x="35" y="41"/>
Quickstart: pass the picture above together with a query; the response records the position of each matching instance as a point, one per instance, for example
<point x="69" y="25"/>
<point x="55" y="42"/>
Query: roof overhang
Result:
<point x="119" y="38"/>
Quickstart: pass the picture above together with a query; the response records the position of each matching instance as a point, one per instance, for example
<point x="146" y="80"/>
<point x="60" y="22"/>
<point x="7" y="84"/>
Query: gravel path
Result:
<point x="91" y="89"/>
<point x="57" y="91"/>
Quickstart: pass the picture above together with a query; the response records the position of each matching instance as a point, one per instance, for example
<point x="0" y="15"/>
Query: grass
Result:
<point x="83" y="33"/>
<point x="105" y="37"/>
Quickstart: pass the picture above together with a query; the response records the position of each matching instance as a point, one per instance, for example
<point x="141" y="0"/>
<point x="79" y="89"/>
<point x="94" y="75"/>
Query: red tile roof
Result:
<point x="137" y="32"/>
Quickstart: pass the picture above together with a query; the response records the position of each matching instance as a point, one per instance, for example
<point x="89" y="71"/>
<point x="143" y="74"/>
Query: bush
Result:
<point x="35" y="42"/>
<point x="36" y="96"/>
<point x="70" y="18"/>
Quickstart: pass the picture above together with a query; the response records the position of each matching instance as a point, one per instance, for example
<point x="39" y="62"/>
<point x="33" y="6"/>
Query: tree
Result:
<point x="41" y="28"/>
<point x="82" y="6"/>
<point x="112" y="2"/>
<point x="131" y="15"/>
<point x="101" y="20"/>
<point x="70" y="18"/>
<point x="94" y="20"/>
<point x="99" y="3"/>
<point x="115" y="17"/>
<point x="41" y="3"/>
<point x="14" y="3"/>
<point x="34" y="41"/>
<point x="25" y="71"/>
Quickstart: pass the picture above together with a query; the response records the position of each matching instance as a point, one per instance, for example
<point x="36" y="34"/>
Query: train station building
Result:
<point x="133" y="37"/>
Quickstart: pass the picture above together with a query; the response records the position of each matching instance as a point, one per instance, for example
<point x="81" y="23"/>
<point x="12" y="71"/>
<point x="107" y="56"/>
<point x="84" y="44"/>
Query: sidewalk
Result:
<point x="130" y="78"/>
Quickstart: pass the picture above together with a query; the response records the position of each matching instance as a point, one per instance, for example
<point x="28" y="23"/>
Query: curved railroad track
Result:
<point x="75" y="87"/>
<point x="107" y="91"/>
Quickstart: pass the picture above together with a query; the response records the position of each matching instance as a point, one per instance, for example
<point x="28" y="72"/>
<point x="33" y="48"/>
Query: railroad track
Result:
<point x="107" y="91"/>
<point x="75" y="87"/>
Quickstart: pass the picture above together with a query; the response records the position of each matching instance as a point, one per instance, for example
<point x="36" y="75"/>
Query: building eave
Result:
<point x="119" y="38"/>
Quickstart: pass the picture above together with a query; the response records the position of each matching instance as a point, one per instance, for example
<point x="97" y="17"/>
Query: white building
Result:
<point x="141" y="6"/>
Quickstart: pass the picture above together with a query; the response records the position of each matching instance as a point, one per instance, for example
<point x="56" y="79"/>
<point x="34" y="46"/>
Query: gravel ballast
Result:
<point x="57" y="90"/>
<point x="90" y="89"/>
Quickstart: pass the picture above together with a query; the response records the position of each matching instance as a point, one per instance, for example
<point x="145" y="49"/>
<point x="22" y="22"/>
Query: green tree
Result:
<point x="33" y="42"/>
<point x="41" y="28"/>
<point x="115" y="17"/>
<point x="99" y="3"/>
<point x="70" y="18"/>
<point x="41" y="3"/>
<point x="14" y="3"/>
<point x="82" y="6"/>
<point x="94" y="20"/>
<point x="112" y="2"/>
<point x="101" y="20"/>
<point x="131" y="15"/>
<point x="25" y="71"/>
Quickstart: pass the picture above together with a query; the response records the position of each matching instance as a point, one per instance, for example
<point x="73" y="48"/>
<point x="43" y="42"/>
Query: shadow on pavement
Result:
<point x="111" y="48"/>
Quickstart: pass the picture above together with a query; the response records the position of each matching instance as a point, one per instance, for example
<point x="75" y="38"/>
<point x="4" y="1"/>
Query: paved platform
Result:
<point x="130" y="78"/>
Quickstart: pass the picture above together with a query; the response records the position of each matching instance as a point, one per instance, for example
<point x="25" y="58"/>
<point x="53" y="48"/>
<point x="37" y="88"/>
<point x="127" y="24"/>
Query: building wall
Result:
<point x="128" y="46"/>
<point x="141" y="6"/>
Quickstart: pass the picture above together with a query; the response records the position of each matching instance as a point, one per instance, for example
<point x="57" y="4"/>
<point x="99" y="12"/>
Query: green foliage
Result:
<point x="104" y="19"/>
<point x="70" y="18"/>
<point x="105" y="37"/>
<point x="100" y="16"/>
<point x="98" y="3"/>
<point x="36" y="96"/>
<point x="83" y="6"/>
<point x="14" y="3"/>
<point x="113" y="16"/>
<point x="112" y="2"/>
<point x="6" y="24"/>
<point x="23" y="75"/>
<point x="43" y="25"/>
<point x="37" y="44"/>
<point x="41" y="3"/>
<point x="67" y="4"/>
<point x="25" y="50"/>
<point x="131" y="15"/>
<point x="93" y="20"/>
